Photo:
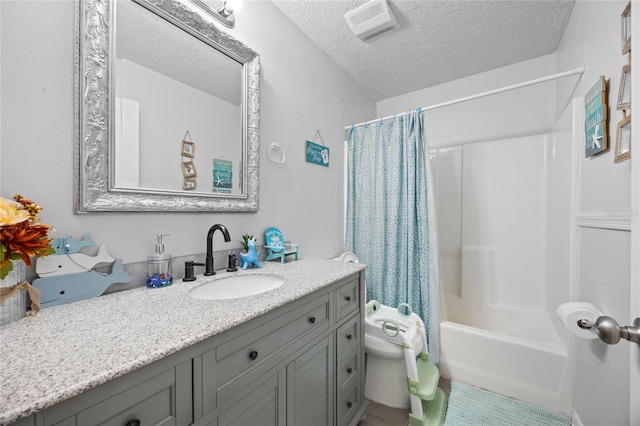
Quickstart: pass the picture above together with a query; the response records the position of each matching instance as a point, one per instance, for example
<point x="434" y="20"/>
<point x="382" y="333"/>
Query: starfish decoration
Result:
<point x="595" y="137"/>
<point x="275" y="241"/>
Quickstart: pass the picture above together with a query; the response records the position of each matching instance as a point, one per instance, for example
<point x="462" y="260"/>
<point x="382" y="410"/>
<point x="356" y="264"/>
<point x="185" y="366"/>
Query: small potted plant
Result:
<point x="245" y="242"/>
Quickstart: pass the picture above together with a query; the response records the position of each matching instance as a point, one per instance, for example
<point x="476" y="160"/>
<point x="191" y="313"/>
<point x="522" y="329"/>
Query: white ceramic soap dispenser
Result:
<point x="159" y="266"/>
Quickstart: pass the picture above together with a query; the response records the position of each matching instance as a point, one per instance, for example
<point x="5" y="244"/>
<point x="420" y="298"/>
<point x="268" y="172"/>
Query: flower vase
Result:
<point x="15" y="307"/>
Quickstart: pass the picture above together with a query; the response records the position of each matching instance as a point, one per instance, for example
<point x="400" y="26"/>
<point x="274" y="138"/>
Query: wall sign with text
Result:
<point x="595" y="113"/>
<point x="317" y="154"/>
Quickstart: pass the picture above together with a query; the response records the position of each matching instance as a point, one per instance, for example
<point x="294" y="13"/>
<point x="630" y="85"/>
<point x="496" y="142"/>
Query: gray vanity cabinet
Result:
<point x="158" y="394"/>
<point x="313" y="345"/>
<point x="310" y="386"/>
<point x="299" y="364"/>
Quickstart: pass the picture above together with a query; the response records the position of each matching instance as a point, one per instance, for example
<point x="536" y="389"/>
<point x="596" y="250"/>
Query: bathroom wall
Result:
<point x="602" y="379"/>
<point x="160" y="121"/>
<point x="302" y="91"/>
<point x="522" y="112"/>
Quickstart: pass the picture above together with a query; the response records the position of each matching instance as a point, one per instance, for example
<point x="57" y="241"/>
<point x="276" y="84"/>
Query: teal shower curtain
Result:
<point x="391" y="220"/>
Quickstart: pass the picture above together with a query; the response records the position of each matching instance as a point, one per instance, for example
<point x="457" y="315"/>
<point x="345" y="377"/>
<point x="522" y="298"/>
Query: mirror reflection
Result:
<point x="178" y="114"/>
<point x="168" y="110"/>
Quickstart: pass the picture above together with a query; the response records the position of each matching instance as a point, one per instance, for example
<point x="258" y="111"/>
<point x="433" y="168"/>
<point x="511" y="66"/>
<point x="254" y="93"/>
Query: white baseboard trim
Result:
<point x="605" y="220"/>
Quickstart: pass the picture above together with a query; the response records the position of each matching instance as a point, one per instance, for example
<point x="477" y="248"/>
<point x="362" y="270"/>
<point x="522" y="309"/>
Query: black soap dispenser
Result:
<point x="159" y="266"/>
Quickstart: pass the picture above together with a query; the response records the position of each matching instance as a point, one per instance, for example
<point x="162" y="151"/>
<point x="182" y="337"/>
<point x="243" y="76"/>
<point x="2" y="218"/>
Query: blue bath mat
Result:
<point x="469" y="406"/>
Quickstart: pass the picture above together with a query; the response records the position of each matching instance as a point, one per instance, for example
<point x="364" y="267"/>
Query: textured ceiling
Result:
<point x="438" y="41"/>
<point x="150" y="41"/>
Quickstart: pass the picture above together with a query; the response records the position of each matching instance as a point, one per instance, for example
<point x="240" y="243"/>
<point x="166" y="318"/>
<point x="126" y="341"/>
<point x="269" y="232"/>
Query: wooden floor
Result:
<point x="381" y="415"/>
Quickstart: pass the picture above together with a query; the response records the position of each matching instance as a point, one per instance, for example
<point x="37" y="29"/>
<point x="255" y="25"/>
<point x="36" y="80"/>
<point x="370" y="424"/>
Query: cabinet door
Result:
<point x="264" y="406"/>
<point x="310" y="386"/>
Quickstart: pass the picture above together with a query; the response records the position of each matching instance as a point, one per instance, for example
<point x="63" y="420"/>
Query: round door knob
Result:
<point x="134" y="422"/>
<point x="253" y="355"/>
<point x="349" y="336"/>
<point x="347" y="298"/>
<point x="312" y="320"/>
<point x="608" y="330"/>
<point x="349" y="404"/>
<point x="349" y="370"/>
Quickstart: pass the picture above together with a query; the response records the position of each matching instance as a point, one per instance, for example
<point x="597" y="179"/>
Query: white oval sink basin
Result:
<point x="238" y="286"/>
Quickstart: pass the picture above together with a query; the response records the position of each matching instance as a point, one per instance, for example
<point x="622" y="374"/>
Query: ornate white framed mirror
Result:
<point x="167" y="110"/>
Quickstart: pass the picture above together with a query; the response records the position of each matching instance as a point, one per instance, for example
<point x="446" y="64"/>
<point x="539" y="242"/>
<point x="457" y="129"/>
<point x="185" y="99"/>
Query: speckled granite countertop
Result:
<point x="68" y="349"/>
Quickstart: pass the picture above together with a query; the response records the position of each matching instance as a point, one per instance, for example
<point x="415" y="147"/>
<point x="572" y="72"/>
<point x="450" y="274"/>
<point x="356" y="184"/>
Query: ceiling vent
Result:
<point x="372" y="20"/>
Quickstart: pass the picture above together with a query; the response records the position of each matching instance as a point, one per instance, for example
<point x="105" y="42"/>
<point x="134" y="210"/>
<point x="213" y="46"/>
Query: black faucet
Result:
<point x="208" y="267"/>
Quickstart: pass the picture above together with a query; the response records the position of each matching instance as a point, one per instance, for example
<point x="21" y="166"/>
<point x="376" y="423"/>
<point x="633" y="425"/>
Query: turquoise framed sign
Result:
<point x="222" y="173"/>
<point x="595" y="125"/>
<point x="317" y="154"/>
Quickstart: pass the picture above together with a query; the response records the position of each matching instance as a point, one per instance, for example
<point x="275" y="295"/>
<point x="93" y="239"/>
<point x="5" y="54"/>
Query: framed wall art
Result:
<point x="626" y="29"/>
<point x="623" y="140"/>
<point x="188" y="149"/>
<point x="188" y="169"/>
<point x="189" y="184"/>
<point x="624" y="93"/>
<point x="595" y="125"/>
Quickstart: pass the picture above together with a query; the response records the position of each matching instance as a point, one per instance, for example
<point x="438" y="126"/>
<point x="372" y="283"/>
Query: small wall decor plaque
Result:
<point x="595" y="125"/>
<point x="222" y="174"/>
<point x="317" y="154"/>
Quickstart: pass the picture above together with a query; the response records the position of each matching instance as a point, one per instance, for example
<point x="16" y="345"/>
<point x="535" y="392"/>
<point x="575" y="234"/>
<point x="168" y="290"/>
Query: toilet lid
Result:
<point x="349" y="257"/>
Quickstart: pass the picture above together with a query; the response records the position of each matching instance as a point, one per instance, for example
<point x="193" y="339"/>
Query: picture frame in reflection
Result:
<point x="189" y="169"/>
<point x="188" y="149"/>
<point x="189" y="184"/>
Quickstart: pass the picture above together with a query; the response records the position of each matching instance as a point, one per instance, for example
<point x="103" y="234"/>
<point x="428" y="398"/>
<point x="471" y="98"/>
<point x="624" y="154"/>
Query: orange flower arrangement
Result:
<point x="22" y="236"/>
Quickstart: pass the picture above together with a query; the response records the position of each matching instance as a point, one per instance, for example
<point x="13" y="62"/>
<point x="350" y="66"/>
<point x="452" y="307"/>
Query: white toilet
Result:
<point x="386" y="373"/>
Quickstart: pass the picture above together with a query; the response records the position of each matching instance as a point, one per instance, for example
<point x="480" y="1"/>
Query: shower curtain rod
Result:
<point x="574" y="71"/>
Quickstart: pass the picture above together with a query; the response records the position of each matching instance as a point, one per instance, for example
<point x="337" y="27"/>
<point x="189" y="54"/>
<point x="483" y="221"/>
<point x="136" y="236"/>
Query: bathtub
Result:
<point x="517" y="354"/>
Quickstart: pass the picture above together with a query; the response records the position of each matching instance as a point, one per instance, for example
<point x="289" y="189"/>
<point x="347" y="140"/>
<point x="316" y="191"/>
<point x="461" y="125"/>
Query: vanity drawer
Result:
<point x="257" y="346"/>
<point x="150" y="402"/>
<point x="27" y="421"/>
<point x="349" y="367"/>
<point x="153" y="394"/>
<point x="349" y="335"/>
<point x="348" y="299"/>
<point x="349" y="402"/>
